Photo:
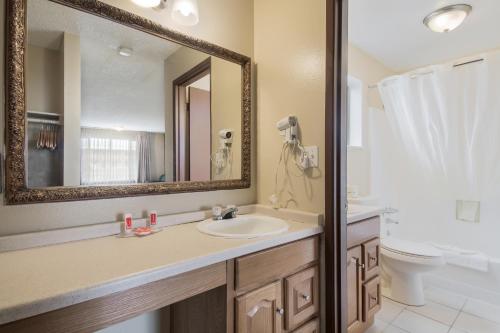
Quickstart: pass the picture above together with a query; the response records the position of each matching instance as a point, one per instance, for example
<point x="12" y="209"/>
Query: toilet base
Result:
<point x="406" y="288"/>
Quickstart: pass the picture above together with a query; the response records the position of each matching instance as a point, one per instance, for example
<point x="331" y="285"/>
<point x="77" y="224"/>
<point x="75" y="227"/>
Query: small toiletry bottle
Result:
<point x="153" y="219"/>
<point x="127" y="224"/>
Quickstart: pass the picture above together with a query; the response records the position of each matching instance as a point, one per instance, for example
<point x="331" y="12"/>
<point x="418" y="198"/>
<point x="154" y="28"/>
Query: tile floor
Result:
<point x="444" y="312"/>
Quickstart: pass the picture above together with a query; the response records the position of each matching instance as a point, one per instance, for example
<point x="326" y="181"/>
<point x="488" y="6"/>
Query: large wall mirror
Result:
<point x="113" y="104"/>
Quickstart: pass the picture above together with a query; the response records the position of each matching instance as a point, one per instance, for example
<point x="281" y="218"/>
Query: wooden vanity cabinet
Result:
<point x="277" y="290"/>
<point x="363" y="270"/>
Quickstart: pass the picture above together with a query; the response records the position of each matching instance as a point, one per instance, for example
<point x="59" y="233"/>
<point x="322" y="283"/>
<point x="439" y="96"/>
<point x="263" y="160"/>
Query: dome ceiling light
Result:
<point x="447" y="18"/>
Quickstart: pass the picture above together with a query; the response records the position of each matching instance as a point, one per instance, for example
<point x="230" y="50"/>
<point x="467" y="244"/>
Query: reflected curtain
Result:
<point x="448" y="120"/>
<point x="144" y="143"/>
<point x="108" y="157"/>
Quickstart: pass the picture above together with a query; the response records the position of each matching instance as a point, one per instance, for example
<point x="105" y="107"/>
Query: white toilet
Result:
<point x="403" y="263"/>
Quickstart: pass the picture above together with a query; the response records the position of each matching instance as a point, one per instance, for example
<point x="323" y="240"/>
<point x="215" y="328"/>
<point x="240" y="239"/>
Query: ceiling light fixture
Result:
<point x="185" y="12"/>
<point x="125" y="51"/>
<point x="447" y="18"/>
<point x="147" y="3"/>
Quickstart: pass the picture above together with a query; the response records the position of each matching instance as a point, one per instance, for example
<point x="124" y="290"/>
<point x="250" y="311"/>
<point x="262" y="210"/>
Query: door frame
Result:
<point x="336" y="167"/>
<point x="192" y="75"/>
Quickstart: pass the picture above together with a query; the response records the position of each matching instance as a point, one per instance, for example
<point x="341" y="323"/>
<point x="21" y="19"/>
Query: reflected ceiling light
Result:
<point x="147" y="3"/>
<point x="125" y="51"/>
<point x="447" y="18"/>
<point x="185" y="12"/>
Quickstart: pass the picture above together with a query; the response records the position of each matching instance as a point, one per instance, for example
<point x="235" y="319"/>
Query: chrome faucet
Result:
<point x="388" y="220"/>
<point x="390" y="210"/>
<point x="223" y="214"/>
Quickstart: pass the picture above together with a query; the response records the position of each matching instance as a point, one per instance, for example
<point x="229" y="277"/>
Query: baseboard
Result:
<point x="465" y="289"/>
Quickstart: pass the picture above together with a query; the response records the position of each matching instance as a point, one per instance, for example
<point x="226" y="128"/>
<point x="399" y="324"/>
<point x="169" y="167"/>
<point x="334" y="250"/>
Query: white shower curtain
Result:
<point x="448" y="120"/>
<point x="144" y="143"/>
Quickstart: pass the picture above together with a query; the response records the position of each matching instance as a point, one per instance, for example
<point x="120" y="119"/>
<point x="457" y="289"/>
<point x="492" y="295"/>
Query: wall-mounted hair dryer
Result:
<point x="226" y="136"/>
<point x="288" y="129"/>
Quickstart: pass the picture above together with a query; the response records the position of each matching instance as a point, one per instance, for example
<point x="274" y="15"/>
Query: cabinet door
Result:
<point x="354" y="290"/>
<point x="371" y="255"/>
<point x="260" y="311"/>
<point x="371" y="298"/>
<point x="301" y="297"/>
<point x="310" y="327"/>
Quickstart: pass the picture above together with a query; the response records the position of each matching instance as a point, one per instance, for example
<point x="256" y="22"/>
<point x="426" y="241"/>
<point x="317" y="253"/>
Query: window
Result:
<point x="108" y="157"/>
<point x="354" y="112"/>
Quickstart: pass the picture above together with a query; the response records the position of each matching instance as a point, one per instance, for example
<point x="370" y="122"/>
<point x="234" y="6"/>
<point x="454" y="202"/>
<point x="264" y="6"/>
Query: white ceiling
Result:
<point x="117" y="91"/>
<point x="392" y="31"/>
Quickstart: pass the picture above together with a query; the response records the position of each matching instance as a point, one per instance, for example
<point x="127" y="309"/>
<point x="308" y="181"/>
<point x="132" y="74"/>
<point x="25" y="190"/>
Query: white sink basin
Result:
<point x="244" y="226"/>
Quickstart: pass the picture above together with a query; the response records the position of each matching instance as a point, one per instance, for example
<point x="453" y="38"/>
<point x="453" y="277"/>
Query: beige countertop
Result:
<point x="357" y="213"/>
<point x="38" y="280"/>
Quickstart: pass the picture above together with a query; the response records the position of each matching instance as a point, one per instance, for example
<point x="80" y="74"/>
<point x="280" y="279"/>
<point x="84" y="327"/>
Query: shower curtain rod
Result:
<point x="430" y="72"/>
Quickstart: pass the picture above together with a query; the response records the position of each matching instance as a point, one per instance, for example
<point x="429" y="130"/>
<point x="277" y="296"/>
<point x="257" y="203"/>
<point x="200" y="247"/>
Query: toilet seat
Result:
<point x="409" y="248"/>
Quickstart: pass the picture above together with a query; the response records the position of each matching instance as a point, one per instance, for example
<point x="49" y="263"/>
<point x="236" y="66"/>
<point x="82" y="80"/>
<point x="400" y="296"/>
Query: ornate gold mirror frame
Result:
<point x="17" y="191"/>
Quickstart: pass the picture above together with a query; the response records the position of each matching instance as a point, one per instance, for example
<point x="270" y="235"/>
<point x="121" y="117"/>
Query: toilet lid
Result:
<point x="409" y="247"/>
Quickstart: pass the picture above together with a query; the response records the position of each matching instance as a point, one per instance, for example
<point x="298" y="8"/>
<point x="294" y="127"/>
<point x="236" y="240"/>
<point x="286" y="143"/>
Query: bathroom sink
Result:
<point x="244" y="226"/>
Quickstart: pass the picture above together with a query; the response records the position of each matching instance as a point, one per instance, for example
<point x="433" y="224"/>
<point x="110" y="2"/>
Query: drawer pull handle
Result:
<point x="373" y="298"/>
<point x="356" y="261"/>
<point x="307" y="298"/>
<point x="373" y="258"/>
<point x="280" y="311"/>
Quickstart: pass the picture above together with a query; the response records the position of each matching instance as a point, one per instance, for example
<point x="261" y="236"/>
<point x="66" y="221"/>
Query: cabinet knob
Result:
<point x="280" y="311"/>
<point x="307" y="298"/>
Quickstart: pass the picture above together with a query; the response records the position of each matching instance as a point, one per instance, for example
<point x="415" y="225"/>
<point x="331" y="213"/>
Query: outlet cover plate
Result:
<point x="313" y="154"/>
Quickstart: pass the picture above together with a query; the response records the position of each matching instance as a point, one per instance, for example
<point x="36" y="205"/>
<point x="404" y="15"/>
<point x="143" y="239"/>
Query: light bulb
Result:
<point x="147" y="3"/>
<point x="185" y="12"/>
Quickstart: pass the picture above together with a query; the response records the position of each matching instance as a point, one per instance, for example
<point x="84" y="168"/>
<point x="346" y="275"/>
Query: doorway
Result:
<point x="192" y="124"/>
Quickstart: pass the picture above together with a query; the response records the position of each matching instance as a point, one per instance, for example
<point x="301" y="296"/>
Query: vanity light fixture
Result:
<point x="185" y="12"/>
<point x="447" y="18"/>
<point x="125" y="51"/>
<point x="147" y="3"/>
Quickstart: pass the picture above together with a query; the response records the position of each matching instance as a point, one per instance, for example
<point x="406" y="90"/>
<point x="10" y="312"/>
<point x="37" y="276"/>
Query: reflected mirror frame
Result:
<point x="16" y="188"/>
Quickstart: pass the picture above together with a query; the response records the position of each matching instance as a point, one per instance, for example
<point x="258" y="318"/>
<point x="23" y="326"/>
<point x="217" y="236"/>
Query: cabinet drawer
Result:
<point x="310" y="327"/>
<point x="260" y="268"/>
<point x="371" y="255"/>
<point x="301" y="297"/>
<point x="371" y="298"/>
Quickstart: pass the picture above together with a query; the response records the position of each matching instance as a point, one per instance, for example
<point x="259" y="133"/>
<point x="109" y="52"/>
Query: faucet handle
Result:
<point x="216" y="211"/>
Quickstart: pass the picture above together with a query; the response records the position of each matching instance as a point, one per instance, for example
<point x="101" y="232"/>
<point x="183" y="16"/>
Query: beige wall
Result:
<point x="228" y="23"/>
<point x="225" y="101"/>
<point x="72" y="108"/>
<point x="290" y="59"/>
<point x="43" y="80"/>
<point x="367" y="69"/>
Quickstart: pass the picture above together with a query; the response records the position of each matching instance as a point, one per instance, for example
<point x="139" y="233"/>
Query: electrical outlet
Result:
<point x="313" y="155"/>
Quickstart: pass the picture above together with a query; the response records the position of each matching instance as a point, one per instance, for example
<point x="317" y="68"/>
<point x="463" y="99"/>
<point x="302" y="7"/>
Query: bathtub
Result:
<point x="484" y="286"/>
